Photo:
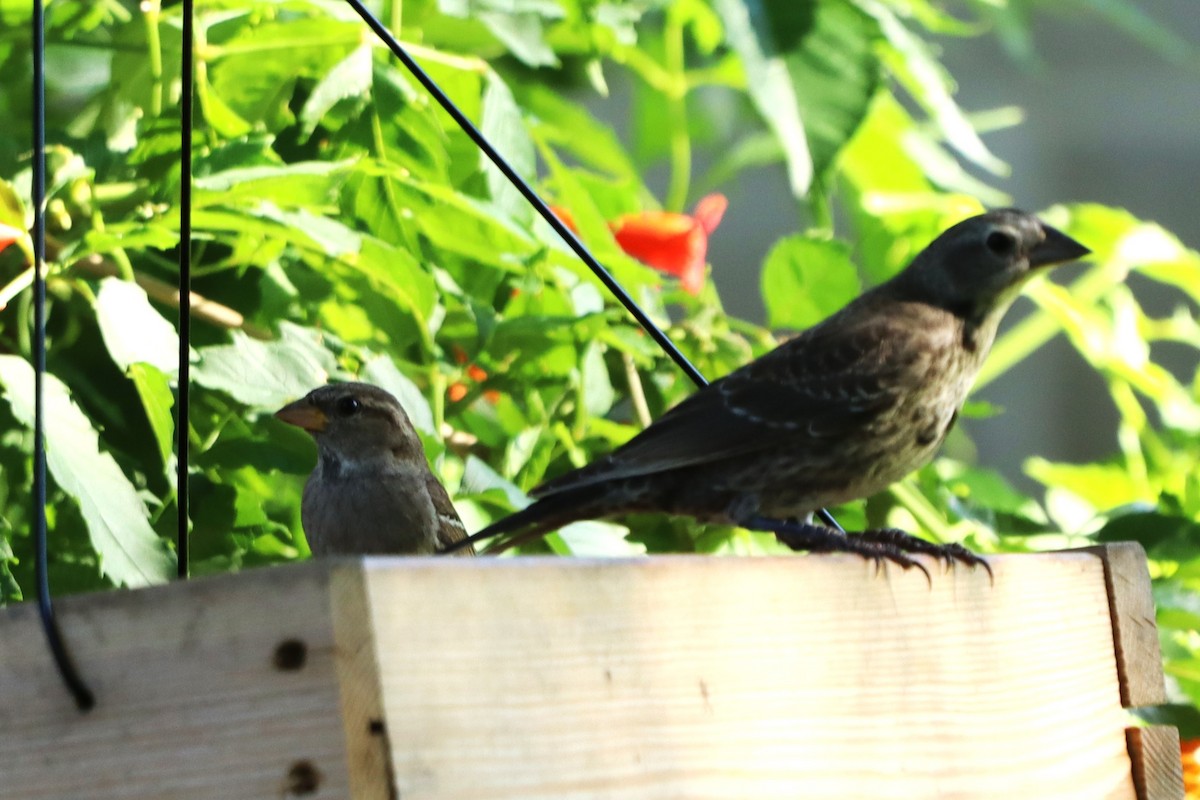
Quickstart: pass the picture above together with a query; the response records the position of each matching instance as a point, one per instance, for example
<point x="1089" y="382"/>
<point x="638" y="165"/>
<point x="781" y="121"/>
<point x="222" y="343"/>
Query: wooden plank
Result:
<point x="668" y="677"/>
<point x="218" y="688"/>
<point x="1157" y="768"/>
<point x="1135" y="631"/>
<point x="813" y="677"/>
<point x="368" y="754"/>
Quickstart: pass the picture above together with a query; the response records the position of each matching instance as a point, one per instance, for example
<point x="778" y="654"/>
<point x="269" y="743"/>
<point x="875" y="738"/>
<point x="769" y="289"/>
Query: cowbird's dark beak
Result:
<point x="304" y="415"/>
<point x="1056" y="248"/>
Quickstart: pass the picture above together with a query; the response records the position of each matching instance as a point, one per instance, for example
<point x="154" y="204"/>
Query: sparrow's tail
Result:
<point x="536" y="519"/>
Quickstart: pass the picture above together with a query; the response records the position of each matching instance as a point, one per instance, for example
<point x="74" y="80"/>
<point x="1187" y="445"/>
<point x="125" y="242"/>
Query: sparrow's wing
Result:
<point x="450" y="527"/>
<point x="827" y="383"/>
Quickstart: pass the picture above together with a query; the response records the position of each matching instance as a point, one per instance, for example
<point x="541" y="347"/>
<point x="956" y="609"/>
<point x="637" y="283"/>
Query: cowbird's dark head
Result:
<point x="976" y="268"/>
<point x="354" y="422"/>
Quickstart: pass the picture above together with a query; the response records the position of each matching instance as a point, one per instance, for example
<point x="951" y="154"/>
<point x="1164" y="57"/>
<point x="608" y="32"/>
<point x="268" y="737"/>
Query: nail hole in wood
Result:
<point x="303" y="779"/>
<point x="375" y="727"/>
<point x="290" y="655"/>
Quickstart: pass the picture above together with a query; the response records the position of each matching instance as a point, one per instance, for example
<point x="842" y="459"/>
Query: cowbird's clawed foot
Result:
<point x="818" y="539"/>
<point x="949" y="554"/>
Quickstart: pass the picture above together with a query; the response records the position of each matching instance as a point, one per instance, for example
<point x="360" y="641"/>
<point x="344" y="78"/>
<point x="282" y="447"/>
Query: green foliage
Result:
<point x="346" y="228"/>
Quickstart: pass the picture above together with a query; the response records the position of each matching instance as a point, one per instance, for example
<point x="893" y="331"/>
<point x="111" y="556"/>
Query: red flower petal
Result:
<point x="669" y="242"/>
<point x="676" y="244"/>
<point x="709" y="211"/>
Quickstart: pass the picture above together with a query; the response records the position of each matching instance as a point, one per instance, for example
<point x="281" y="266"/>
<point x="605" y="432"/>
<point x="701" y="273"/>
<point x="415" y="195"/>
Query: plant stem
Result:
<point x="151" y="16"/>
<point x="637" y="394"/>
<point x="919" y="506"/>
<point x="681" y="144"/>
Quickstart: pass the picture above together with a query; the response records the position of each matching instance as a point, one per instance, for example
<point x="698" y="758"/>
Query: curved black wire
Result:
<point x="568" y="236"/>
<point x="84" y="698"/>
<point x="182" y="547"/>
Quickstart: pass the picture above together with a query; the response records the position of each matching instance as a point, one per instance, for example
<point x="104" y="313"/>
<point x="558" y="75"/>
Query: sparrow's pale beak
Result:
<point x="304" y="415"/>
<point x="1056" y="248"/>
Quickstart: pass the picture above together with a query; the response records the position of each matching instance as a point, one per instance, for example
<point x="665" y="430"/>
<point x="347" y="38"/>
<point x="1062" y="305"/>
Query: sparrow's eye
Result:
<point x="1002" y="243"/>
<point x="348" y="406"/>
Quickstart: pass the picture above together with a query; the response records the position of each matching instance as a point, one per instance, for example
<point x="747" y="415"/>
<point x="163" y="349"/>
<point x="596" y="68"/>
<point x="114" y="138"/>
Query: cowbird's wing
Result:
<point x="829" y="382"/>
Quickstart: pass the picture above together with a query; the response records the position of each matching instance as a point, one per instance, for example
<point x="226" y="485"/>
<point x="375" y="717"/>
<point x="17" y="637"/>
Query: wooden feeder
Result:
<point x="572" y="679"/>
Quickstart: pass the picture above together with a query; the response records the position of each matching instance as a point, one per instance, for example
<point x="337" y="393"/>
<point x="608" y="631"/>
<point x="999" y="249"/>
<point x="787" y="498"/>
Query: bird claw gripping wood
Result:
<point x="949" y="553"/>
<point x="817" y="539"/>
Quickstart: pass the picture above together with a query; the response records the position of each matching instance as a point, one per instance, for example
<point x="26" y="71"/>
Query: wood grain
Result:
<point x="682" y="677"/>
<point x="1157" y="767"/>
<point x="190" y="700"/>
<point x="572" y="679"/>
<point x="1135" y="632"/>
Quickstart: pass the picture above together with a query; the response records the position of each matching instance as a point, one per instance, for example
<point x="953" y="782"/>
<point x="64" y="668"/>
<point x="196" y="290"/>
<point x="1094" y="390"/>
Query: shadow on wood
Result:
<point x="679" y="677"/>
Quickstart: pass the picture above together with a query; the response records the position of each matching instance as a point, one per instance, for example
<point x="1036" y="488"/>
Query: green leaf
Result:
<point x="805" y="279"/>
<point x="133" y="330"/>
<point x="518" y="24"/>
<point x="811" y="71"/>
<point x="266" y="375"/>
<point x="478" y="478"/>
<point x="834" y="72"/>
<point x="505" y="129"/>
<point x="130" y="553"/>
<point x="12" y="210"/>
<point x="127" y="236"/>
<point x="1103" y="486"/>
<point x="303" y="185"/>
<point x="748" y="29"/>
<point x="351" y="77"/>
<point x="254" y="71"/>
<point x="598" y="394"/>
<point x="382" y="372"/>
<point x="915" y="66"/>
<point x="596" y="539"/>
<point x="571" y="127"/>
<point x="155" y="391"/>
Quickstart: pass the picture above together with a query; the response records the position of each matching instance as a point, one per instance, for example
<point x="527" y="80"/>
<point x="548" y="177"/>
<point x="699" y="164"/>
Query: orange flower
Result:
<point x="475" y="374"/>
<point x="566" y="218"/>
<point x="1191" y="768"/>
<point x="673" y="243"/>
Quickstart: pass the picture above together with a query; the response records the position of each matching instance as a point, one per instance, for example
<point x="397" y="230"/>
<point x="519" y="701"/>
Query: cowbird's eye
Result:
<point x="1001" y="243"/>
<point x="348" y="406"/>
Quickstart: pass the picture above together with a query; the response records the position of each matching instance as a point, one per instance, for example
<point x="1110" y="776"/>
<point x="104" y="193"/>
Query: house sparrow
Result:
<point x="371" y="491"/>
<point x="839" y="412"/>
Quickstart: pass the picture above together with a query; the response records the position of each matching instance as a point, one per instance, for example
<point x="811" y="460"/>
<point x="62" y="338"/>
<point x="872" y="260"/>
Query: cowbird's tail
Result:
<point x="536" y="519"/>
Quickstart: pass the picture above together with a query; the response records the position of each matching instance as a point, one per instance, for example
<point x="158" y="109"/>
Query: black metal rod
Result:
<point x="468" y="127"/>
<point x="84" y="698"/>
<point x="182" y="543"/>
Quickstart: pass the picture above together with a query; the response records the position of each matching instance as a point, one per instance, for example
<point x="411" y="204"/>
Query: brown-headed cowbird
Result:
<point x="371" y="491"/>
<point x="837" y="413"/>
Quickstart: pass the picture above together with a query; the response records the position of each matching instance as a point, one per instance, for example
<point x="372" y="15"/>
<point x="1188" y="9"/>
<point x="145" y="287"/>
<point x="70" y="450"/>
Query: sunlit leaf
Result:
<point x="804" y="280"/>
<point x="154" y="389"/>
<point x="382" y="372"/>
<point x="133" y="330"/>
<point x="130" y="553"/>
<point x="505" y="129"/>
<point x="266" y="375"/>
